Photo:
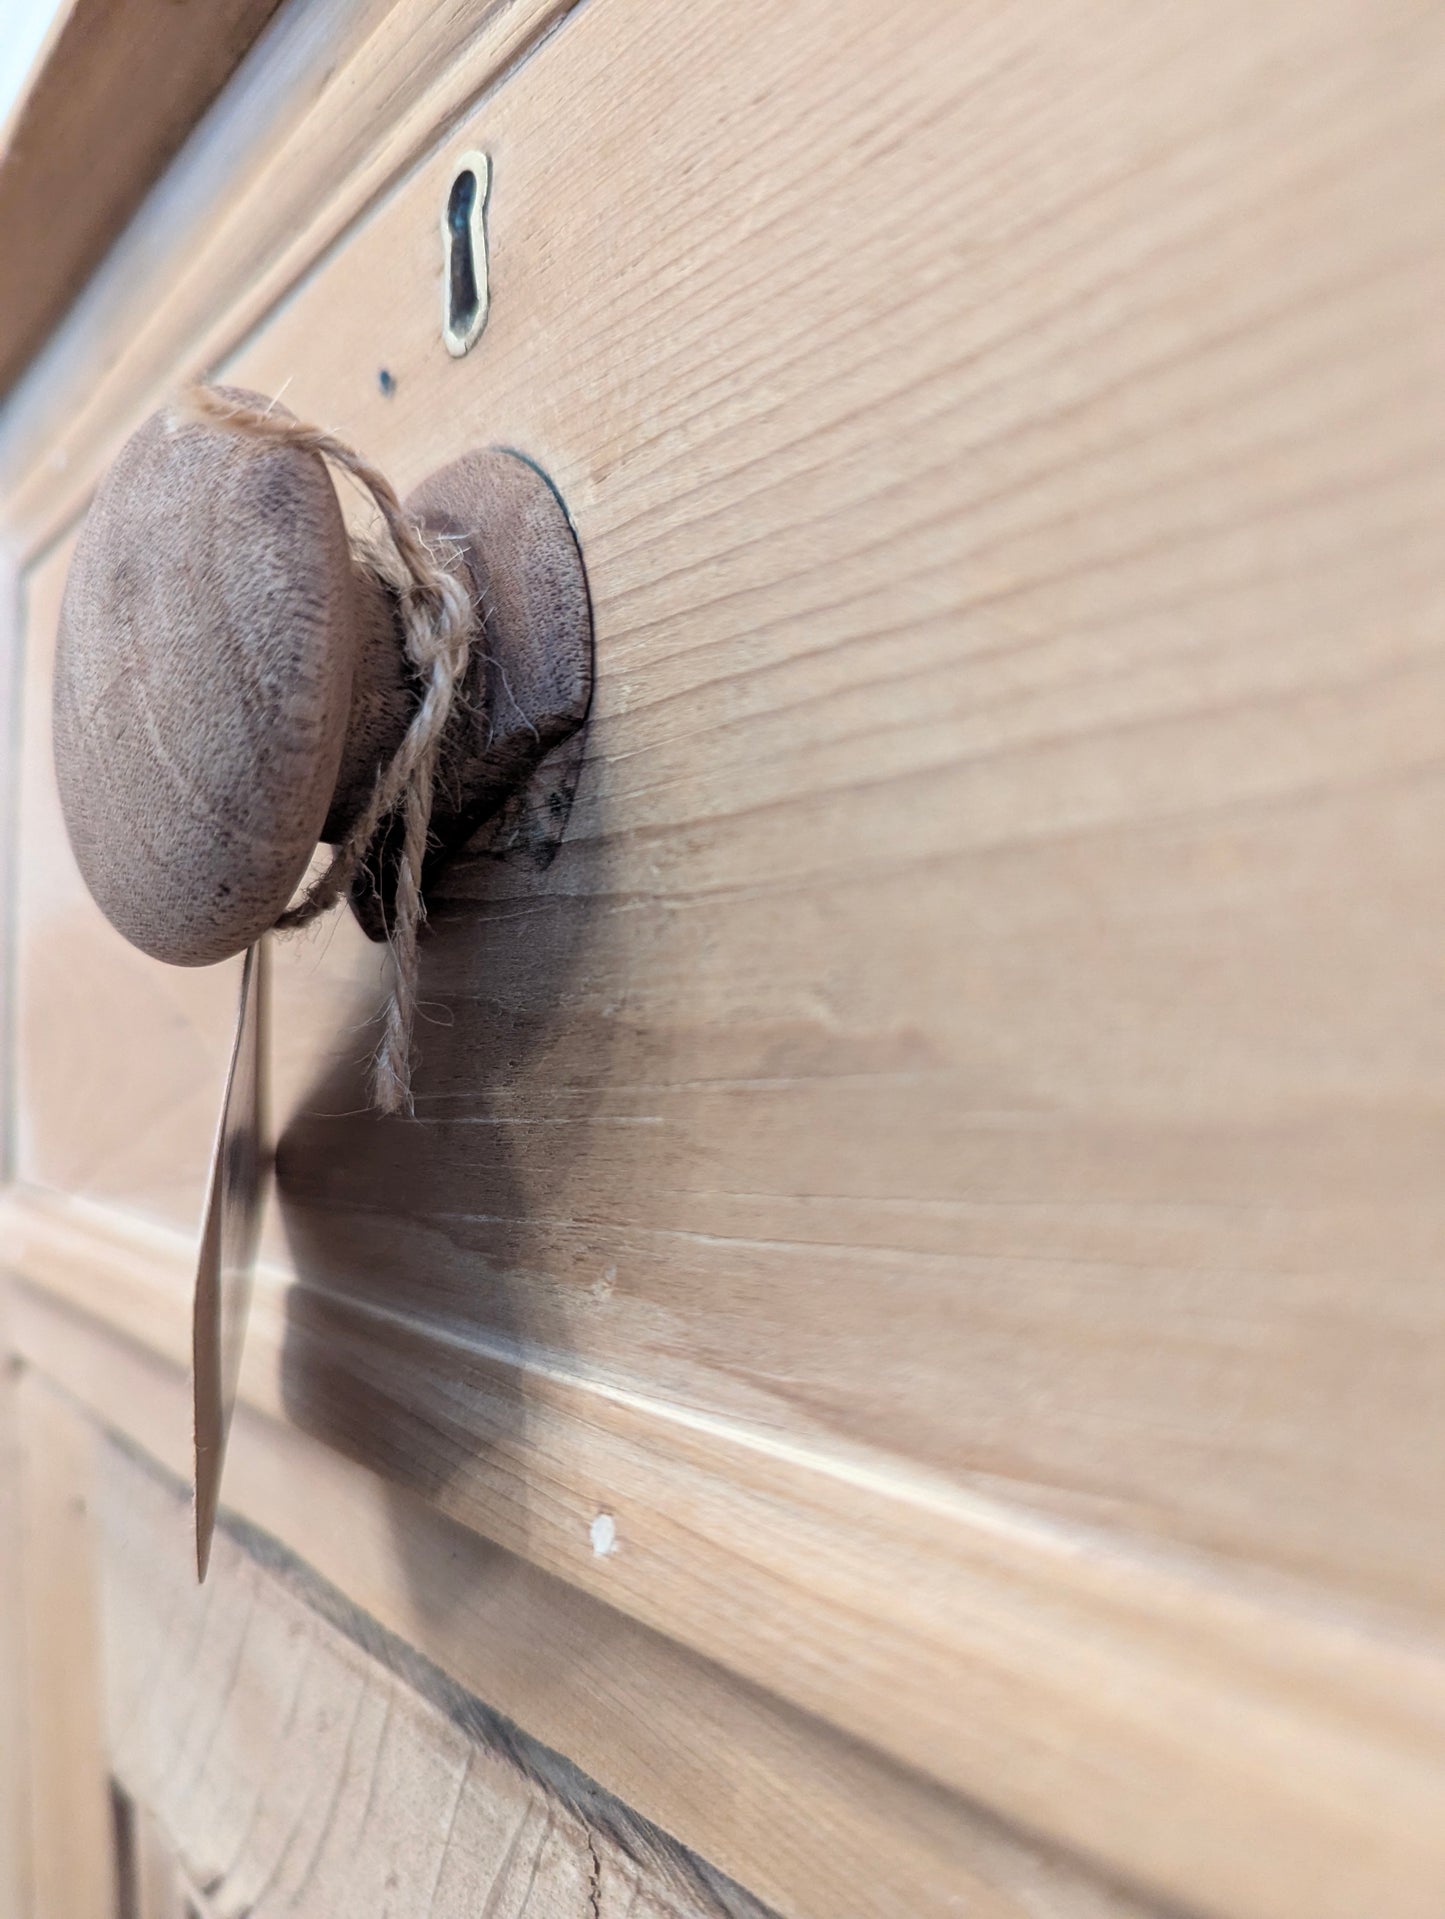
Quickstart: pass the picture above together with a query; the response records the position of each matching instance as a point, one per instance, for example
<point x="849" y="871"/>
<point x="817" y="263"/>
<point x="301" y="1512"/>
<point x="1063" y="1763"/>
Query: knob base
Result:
<point x="529" y="682"/>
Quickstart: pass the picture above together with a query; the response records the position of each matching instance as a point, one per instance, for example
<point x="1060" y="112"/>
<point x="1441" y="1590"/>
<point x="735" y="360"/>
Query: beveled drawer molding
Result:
<point x="1308" y="1747"/>
<point x="78" y="158"/>
<point x="559" y="1662"/>
<point x="242" y="250"/>
<point x="928" y="1210"/>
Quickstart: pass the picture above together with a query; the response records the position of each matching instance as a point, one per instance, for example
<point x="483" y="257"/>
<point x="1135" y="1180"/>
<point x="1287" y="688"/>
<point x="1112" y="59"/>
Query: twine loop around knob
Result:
<point x="438" y="622"/>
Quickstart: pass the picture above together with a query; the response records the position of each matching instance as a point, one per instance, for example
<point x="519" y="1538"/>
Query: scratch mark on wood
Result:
<point x="466" y="1774"/>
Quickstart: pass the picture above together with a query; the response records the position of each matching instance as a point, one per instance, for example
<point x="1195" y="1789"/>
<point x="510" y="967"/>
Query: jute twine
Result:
<point x="438" y="621"/>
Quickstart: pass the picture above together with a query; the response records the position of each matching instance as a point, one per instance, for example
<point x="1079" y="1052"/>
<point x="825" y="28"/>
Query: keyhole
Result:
<point x="463" y="262"/>
<point x="464" y="248"/>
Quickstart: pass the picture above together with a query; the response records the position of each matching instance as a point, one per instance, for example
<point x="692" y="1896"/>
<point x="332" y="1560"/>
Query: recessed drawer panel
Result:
<point x="944" y="1161"/>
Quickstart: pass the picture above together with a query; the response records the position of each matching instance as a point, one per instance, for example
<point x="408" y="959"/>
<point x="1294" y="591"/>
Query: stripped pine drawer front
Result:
<point x="291" y="1766"/>
<point x="925" y="1211"/>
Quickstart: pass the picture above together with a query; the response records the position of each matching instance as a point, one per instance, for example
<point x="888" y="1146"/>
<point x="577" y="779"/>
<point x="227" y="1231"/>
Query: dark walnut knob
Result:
<point x="230" y="676"/>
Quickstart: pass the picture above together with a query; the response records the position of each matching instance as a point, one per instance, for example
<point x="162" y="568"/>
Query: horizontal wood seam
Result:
<point x="504" y="1630"/>
<point x="1287" y="1729"/>
<point x="643" y="1842"/>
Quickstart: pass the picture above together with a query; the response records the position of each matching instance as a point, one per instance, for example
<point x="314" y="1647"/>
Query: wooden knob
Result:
<point x="229" y="679"/>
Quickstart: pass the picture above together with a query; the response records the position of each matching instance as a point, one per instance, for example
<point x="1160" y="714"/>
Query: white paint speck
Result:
<point x="604" y="1534"/>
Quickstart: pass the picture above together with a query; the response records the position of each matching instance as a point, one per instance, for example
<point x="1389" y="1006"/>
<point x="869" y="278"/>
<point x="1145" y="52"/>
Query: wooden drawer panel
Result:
<point x="296" y="1760"/>
<point x="950" y="928"/>
<point x="946" y="1156"/>
<point x="818" y="1825"/>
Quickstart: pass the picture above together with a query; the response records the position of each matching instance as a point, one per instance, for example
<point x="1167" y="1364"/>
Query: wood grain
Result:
<point x="305" y="51"/>
<point x="291" y="1769"/>
<point x="1309" y="1745"/>
<point x="12" y="697"/>
<point x="947" y="1156"/>
<point x="1021" y="1015"/>
<point x="77" y="158"/>
<point x="869" y="1840"/>
<point x="14" y="1746"/>
<point x="113" y="1033"/>
<point x="202" y="702"/>
<point x="392" y="72"/>
<point x="986" y="1009"/>
<point x="72" y="1871"/>
<point x="1046" y="1018"/>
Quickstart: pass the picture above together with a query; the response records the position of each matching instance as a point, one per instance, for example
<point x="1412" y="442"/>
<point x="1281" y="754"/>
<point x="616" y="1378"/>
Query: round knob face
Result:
<point x="202" y="684"/>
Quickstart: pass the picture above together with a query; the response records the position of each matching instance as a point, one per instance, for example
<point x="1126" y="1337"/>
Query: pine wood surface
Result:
<point x="1306" y="1743"/>
<point x="819" y="1826"/>
<point x="338" y="98"/>
<point x="289" y="1769"/>
<point x="946" y="1157"/>
<point x="76" y="158"/>
<point x="14" y="1751"/>
<point x="64" y="1740"/>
